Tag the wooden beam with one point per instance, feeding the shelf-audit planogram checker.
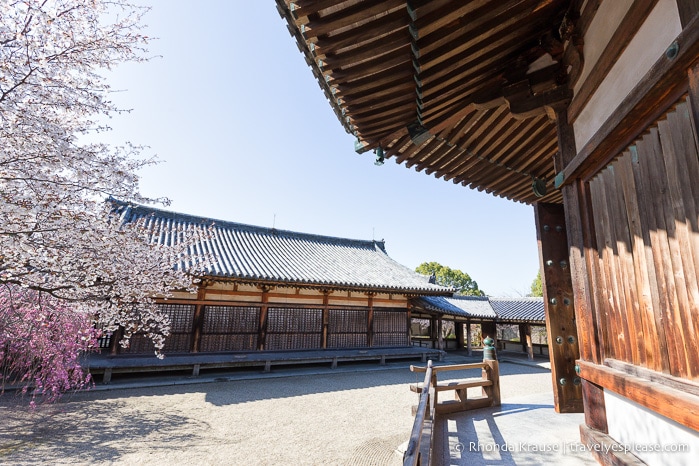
(606, 450)
(678, 405)
(678, 383)
(561, 329)
(349, 16)
(662, 86)
(688, 9)
(637, 14)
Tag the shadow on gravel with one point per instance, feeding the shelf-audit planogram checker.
(86, 431)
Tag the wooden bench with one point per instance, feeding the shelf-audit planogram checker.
(489, 383)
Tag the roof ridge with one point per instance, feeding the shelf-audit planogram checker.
(134, 208)
(522, 298)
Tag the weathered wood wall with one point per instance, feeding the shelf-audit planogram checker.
(245, 318)
(645, 206)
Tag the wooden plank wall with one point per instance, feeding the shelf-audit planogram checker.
(645, 206)
(236, 327)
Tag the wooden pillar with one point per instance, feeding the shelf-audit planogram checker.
(489, 329)
(580, 240)
(528, 341)
(523, 337)
(469, 338)
(693, 76)
(409, 320)
(492, 372)
(198, 320)
(326, 320)
(433, 329)
(370, 322)
(440, 338)
(459, 331)
(558, 300)
(262, 330)
(116, 338)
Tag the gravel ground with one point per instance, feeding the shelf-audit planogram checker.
(351, 417)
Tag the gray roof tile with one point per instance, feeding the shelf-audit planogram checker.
(460, 306)
(256, 253)
(519, 309)
(501, 309)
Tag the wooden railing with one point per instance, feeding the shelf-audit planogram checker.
(489, 382)
(418, 451)
(419, 448)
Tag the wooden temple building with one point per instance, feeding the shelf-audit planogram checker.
(589, 111)
(488, 313)
(270, 296)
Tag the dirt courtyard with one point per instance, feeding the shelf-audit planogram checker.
(358, 415)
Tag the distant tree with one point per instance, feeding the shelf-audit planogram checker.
(455, 278)
(537, 287)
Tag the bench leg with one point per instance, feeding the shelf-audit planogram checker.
(268, 366)
(107, 377)
(383, 360)
(424, 357)
(195, 370)
(461, 394)
(334, 364)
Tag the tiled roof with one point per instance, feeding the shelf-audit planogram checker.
(519, 309)
(258, 254)
(500, 309)
(460, 306)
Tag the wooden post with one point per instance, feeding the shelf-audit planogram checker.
(433, 331)
(459, 330)
(262, 331)
(523, 337)
(492, 372)
(326, 320)
(488, 329)
(370, 322)
(409, 324)
(198, 321)
(469, 338)
(116, 338)
(558, 300)
(579, 240)
(528, 341)
(440, 338)
(595, 411)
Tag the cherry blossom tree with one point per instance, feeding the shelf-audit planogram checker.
(57, 237)
(41, 342)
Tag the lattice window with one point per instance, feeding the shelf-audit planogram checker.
(180, 338)
(390, 328)
(230, 328)
(294, 328)
(347, 328)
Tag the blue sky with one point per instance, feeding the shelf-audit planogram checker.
(245, 134)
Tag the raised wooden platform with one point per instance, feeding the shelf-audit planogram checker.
(108, 365)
